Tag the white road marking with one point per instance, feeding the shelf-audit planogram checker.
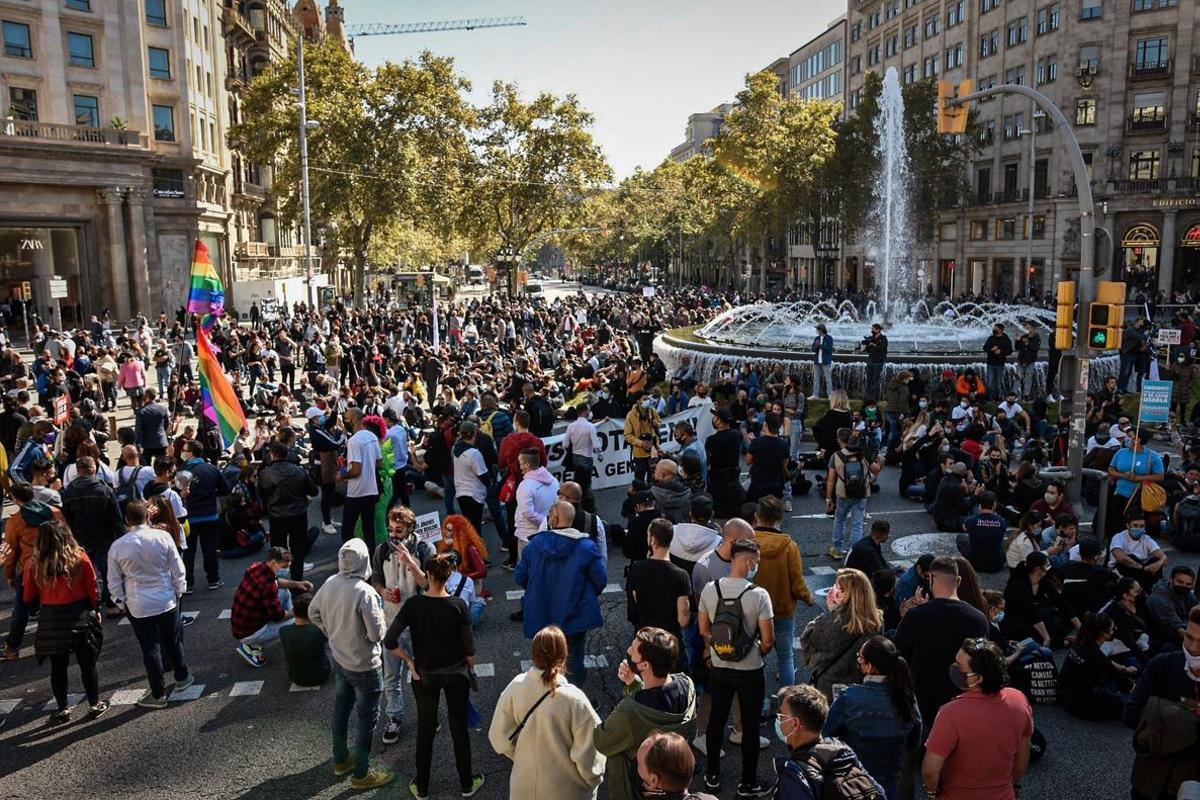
(595, 662)
(295, 688)
(226, 614)
(903, 563)
(612, 587)
(8, 706)
(190, 615)
(485, 670)
(514, 594)
(126, 697)
(308, 565)
(888, 513)
(73, 699)
(246, 688)
(124, 621)
(193, 692)
(822, 570)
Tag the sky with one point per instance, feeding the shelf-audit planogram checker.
(640, 66)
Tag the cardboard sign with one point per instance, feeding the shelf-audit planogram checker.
(429, 527)
(648, 291)
(1169, 336)
(62, 409)
(1156, 401)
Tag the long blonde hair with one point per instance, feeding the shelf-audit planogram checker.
(861, 613)
(839, 400)
(58, 554)
(550, 655)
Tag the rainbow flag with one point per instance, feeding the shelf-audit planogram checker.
(207, 293)
(221, 405)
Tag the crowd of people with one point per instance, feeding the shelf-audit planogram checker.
(908, 679)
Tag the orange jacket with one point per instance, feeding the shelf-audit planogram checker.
(963, 387)
(781, 571)
(21, 538)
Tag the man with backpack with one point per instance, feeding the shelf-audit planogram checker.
(781, 573)
(816, 768)
(208, 484)
(848, 482)
(737, 623)
(132, 477)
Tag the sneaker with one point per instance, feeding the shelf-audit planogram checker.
(98, 709)
(185, 621)
(509, 565)
(343, 768)
(217, 584)
(11, 653)
(37, 612)
(189, 591)
(700, 745)
(486, 594)
(517, 616)
(60, 716)
(391, 734)
(329, 529)
(712, 782)
(476, 785)
(814, 397)
(252, 656)
(150, 701)
(736, 738)
(185, 683)
(754, 789)
(787, 506)
(375, 777)
(415, 792)
(835, 554)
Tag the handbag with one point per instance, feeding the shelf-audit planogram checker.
(512, 737)
(1154, 497)
(509, 489)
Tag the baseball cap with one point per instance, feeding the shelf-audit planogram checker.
(723, 414)
(313, 412)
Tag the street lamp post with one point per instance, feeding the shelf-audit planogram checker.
(1031, 132)
(305, 125)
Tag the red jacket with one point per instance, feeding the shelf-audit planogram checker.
(64, 591)
(512, 446)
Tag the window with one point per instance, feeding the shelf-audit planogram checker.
(1018, 31)
(872, 55)
(1039, 226)
(168, 183)
(1085, 111)
(160, 63)
(23, 103)
(987, 132)
(979, 229)
(1041, 178)
(954, 56)
(983, 184)
(891, 46)
(164, 123)
(987, 5)
(912, 35)
(989, 44)
(1015, 76)
(956, 12)
(948, 232)
(910, 74)
(855, 98)
(1047, 69)
(1047, 19)
(1089, 58)
(80, 5)
(933, 26)
(1006, 228)
(1143, 165)
(156, 13)
(875, 20)
(856, 65)
(1152, 53)
(929, 68)
(856, 32)
(1091, 9)
(1149, 111)
(17, 42)
(79, 46)
(1196, 162)
(196, 30)
(1143, 5)
(87, 111)
(892, 9)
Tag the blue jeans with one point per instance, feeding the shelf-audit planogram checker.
(394, 672)
(20, 615)
(99, 559)
(499, 517)
(576, 650)
(822, 371)
(785, 631)
(894, 430)
(855, 509)
(448, 487)
(360, 691)
(874, 374)
(994, 378)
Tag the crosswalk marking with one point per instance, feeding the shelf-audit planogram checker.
(226, 614)
(73, 699)
(126, 697)
(822, 570)
(296, 688)
(246, 688)
(8, 706)
(124, 621)
(485, 670)
(514, 594)
(193, 692)
(595, 662)
(190, 615)
(613, 587)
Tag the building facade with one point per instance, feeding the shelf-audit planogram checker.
(700, 128)
(1126, 73)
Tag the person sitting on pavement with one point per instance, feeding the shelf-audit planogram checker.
(1034, 608)
(304, 646)
(1025, 538)
(866, 555)
(1133, 553)
(955, 498)
(1086, 584)
(1091, 685)
(1168, 605)
(983, 540)
(655, 698)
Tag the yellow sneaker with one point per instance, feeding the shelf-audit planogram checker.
(376, 777)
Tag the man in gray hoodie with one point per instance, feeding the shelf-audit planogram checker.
(349, 611)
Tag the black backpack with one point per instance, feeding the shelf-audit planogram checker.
(437, 454)
(854, 477)
(832, 772)
(1187, 534)
(730, 639)
(128, 489)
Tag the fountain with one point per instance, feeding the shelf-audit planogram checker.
(924, 336)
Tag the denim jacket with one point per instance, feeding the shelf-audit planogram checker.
(864, 717)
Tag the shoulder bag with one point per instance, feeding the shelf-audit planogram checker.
(512, 737)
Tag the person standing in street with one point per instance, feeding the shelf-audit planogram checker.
(585, 444)
(349, 611)
(822, 348)
(285, 488)
(21, 539)
(659, 591)
(151, 422)
(781, 573)
(876, 348)
(361, 474)
(897, 405)
(641, 434)
(146, 580)
(847, 487)
(472, 476)
(535, 495)
(327, 441)
(996, 350)
(208, 484)
(90, 508)
(1028, 345)
(767, 457)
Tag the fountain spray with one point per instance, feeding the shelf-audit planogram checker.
(891, 241)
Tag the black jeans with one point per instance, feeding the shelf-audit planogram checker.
(749, 686)
(149, 454)
(357, 508)
(87, 673)
(328, 496)
(99, 559)
(472, 509)
(458, 697)
(583, 476)
(287, 374)
(204, 534)
(400, 488)
(155, 634)
(292, 533)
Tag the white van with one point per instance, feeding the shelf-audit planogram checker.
(475, 274)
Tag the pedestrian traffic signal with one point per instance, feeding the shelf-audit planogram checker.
(1106, 320)
(1064, 323)
(953, 118)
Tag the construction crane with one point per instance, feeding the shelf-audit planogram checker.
(385, 28)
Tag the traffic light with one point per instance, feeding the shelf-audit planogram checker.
(1064, 323)
(953, 118)
(1106, 321)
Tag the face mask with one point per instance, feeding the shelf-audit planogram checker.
(1049, 498)
(998, 618)
(50, 437)
(753, 571)
(958, 677)
(1181, 591)
(923, 403)
(964, 404)
(835, 597)
(779, 731)
(1191, 666)
(1136, 533)
(944, 448)
(647, 404)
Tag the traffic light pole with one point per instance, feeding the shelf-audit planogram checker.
(1072, 384)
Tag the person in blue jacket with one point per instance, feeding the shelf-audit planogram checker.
(563, 574)
(822, 348)
(208, 485)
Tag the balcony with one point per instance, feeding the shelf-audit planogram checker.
(50, 132)
(251, 250)
(252, 190)
(233, 23)
(236, 81)
(1150, 70)
(1145, 124)
(1008, 196)
(1139, 186)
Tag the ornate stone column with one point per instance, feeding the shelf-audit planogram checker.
(1166, 252)
(115, 280)
(139, 270)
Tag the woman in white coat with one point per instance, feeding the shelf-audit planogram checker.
(544, 725)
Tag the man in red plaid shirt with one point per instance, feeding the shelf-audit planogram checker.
(262, 605)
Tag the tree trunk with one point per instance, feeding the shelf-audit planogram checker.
(762, 266)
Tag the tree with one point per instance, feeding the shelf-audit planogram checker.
(534, 163)
(389, 150)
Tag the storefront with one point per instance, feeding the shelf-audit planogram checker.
(37, 254)
(1189, 258)
(1139, 256)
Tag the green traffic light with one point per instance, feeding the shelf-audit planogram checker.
(1100, 338)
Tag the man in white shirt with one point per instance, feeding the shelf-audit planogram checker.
(361, 475)
(471, 475)
(1136, 555)
(146, 580)
(584, 441)
(1014, 410)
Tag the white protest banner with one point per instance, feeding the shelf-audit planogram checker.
(613, 463)
(1169, 336)
(429, 527)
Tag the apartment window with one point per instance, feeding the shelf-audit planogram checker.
(948, 232)
(983, 184)
(933, 25)
(1091, 9)
(910, 74)
(156, 13)
(1047, 69)
(208, 84)
(875, 20)
(872, 55)
(205, 37)
(1089, 58)
(1149, 111)
(979, 229)
(87, 111)
(855, 98)
(1015, 76)
(856, 32)
(891, 46)
(80, 5)
(1010, 130)
(856, 65)
(1085, 111)
(893, 9)
(1041, 178)
(1143, 5)
(956, 12)
(987, 5)
(1018, 31)
(22, 103)
(1144, 165)
(1152, 53)
(989, 44)
(160, 63)
(987, 132)
(1047, 19)
(930, 67)
(954, 56)
(912, 35)
(1006, 228)
(79, 47)
(17, 42)
(1039, 226)
(164, 123)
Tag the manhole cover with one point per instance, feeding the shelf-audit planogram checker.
(940, 544)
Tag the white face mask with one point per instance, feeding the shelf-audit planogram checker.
(1049, 497)
(1191, 666)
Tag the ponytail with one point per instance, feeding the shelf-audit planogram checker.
(550, 655)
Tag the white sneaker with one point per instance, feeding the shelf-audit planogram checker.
(329, 529)
(736, 738)
(787, 506)
(700, 744)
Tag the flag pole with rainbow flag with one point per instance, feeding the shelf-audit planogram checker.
(207, 297)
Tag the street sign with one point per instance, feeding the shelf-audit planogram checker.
(1169, 336)
(1156, 401)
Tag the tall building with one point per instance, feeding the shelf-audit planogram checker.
(112, 141)
(700, 128)
(1126, 73)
